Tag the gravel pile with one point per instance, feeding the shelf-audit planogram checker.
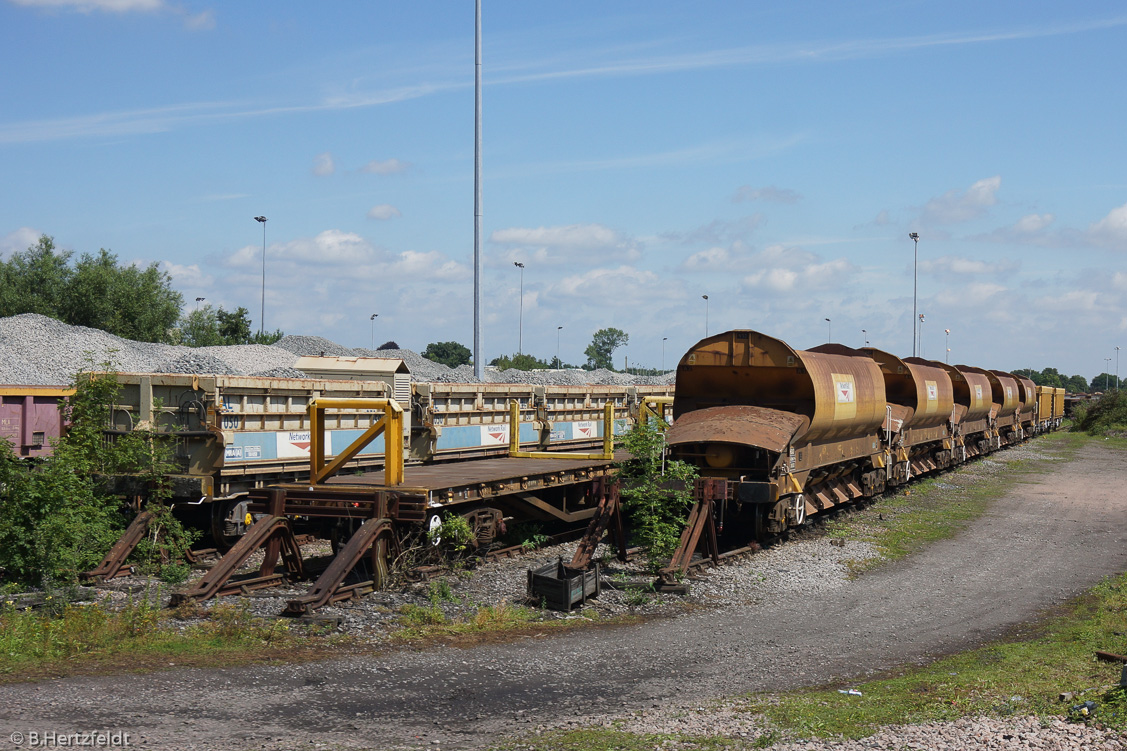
(280, 373)
(313, 346)
(36, 350)
(195, 362)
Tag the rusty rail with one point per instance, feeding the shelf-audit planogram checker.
(272, 533)
(113, 565)
(609, 510)
(328, 589)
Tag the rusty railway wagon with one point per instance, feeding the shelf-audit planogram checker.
(780, 434)
(372, 512)
(235, 434)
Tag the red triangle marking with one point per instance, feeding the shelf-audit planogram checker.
(302, 445)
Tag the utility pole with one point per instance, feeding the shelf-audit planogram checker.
(478, 360)
(915, 236)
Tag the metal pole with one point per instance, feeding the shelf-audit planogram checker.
(373, 320)
(915, 283)
(262, 313)
(478, 360)
(559, 362)
(1106, 374)
(663, 353)
(201, 299)
(947, 345)
(1117, 368)
(520, 319)
(921, 337)
(705, 315)
(829, 331)
(866, 335)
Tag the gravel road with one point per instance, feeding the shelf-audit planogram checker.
(1040, 544)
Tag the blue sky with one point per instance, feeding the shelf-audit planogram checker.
(637, 155)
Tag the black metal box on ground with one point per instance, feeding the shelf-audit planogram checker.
(562, 588)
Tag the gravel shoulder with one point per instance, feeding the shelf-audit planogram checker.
(783, 620)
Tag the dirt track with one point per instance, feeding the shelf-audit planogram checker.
(1042, 543)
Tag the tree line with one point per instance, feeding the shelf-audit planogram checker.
(600, 354)
(99, 292)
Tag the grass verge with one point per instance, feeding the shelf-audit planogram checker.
(939, 507)
(95, 639)
(503, 622)
(1025, 677)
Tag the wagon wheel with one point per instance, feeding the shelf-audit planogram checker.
(798, 510)
(761, 533)
(379, 558)
(380, 573)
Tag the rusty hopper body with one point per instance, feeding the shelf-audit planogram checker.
(792, 425)
(920, 397)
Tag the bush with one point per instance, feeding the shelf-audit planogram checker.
(1106, 416)
(55, 519)
(655, 501)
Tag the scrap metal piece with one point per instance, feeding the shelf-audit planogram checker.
(113, 565)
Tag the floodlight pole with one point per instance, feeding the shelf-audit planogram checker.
(373, 320)
(1106, 375)
(1117, 368)
(559, 362)
(478, 360)
(262, 314)
(520, 318)
(915, 236)
(705, 315)
(829, 331)
(663, 353)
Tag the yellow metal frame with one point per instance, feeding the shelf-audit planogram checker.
(514, 438)
(645, 412)
(390, 425)
(36, 391)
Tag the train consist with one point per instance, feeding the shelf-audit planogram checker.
(780, 434)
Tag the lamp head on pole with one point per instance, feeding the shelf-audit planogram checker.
(260, 219)
(914, 236)
(518, 264)
(374, 316)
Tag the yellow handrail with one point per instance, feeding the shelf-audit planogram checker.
(390, 425)
(645, 412)
(514, 438)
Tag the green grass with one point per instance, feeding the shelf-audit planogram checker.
(937, 508)
(1022, 677)
(140, 636)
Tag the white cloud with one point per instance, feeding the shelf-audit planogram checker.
(384, 211)
(186, 277)
(780, 268)
(957, 265)
(323, 164)
(621, 287)
(713, 259)
(1033, 223)
(960, 206)
(18, 241)
(328, 248)
(1112, 229)
(768, 193)
(566, 244)
(386, 167)
(203, 21)
(88, 6)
